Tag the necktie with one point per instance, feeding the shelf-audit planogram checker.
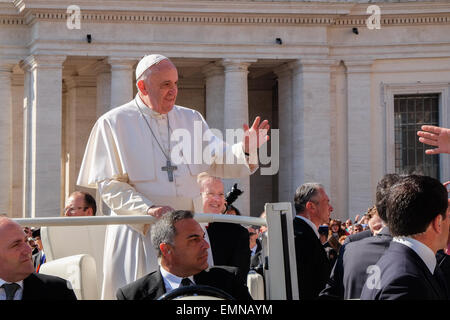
(10, 290)
(186, 282)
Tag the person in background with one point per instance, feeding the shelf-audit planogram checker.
(348, 224)
(39, 257)
(355, 258)
(335, 233)
(229, 241)
(313, 208)
(80, 204)
(323, 234)
(419, 221)
(375, 223)
(357, 228)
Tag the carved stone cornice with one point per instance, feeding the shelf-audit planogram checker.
(230, 12)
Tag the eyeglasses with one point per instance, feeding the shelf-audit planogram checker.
(75, 209)
(212, 195)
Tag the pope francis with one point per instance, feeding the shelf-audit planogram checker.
(129, 159)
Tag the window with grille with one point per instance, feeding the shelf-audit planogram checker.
(410, 113)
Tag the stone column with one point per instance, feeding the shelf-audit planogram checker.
(339, 139)
(215, 86)
(5, 136)
(17, 146)
(121, 80)
(235, 115)
(311, 122)
(285, 114)
(103, 71)
(359, 137)
(42, 126)
(81, 115)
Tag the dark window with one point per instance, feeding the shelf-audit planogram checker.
(410, 113)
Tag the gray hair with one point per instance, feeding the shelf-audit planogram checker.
(163, 231)
(305, 193)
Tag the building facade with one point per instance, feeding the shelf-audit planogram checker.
(345, 84)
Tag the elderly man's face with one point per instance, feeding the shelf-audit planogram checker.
(324, 209)
(15, 253)
(213, 196)
(162, 87)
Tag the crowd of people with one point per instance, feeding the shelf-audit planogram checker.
(398, 249)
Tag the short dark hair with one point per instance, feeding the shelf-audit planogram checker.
(413, 203)
(305, 193)
(382, 193)
(163, 230)
(90, 202)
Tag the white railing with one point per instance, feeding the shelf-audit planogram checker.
(105, 220)
(281, 277)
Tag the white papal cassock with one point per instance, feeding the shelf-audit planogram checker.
(123, 160)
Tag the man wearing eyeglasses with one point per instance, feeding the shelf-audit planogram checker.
(230, 244)
(80, 204)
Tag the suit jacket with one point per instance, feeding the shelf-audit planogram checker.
(45, 287)
(255, 260)
(349, 273)
(404, 276)
(358, 236)
(443, 261)
(313, 266)
(151, 286)
(230, 246)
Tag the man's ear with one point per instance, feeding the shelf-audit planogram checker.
(90, 211)
(309, 205)
(165, 249)
(437, 223)
(141, 87)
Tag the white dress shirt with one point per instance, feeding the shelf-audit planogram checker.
(423, 251)
(17, 295)
(171, 281)
(311, 224)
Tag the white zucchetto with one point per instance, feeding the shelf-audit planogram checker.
(148, 61)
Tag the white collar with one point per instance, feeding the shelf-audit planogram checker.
(147, 110)
(311, 224)
(172, 281)
(253, 250)
(423, 251)
(20, 283)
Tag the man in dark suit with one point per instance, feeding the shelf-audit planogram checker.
(183, 252)
(313, 267)
(419, 222)
(349, 274)
(17, 280)
(230, 244)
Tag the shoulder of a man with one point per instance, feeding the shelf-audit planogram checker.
(120, 113)
(56, 287)
(136, 289)
(220, 273)
(188, 113)
(358, 236)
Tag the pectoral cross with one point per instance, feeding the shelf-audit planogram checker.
(170, 169)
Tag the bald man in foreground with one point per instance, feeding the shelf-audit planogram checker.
(17, 278)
